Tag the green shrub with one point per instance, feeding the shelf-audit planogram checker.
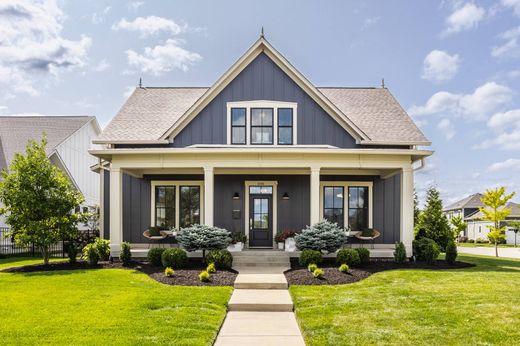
(364, 255)
(91, 254)
(425, 249)
(451, 252)
(348, 256)
(103, 248)
(322, 236)
(310, 256)
(318, 273)
(471, 241)
(221, 258)
(169, 272)
(155, 256)
(238, 237)
(72, 252)
(175, 258)
(202, 237)
(312, 267)
(211, 268)
(126, 255)
(344, 268)
(204, 276)
(400, 253)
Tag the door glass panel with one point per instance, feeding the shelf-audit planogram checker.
(260, 213)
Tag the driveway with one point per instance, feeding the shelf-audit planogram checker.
(490, 251)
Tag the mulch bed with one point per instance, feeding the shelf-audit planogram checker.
(299, 275)
(188, 276)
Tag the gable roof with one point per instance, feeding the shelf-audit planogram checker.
(472, 201)
(515, 211)
(16, 131)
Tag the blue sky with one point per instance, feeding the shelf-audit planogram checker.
(454, 65)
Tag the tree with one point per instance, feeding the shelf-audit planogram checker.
(515, 225)
(494, 210)
(416, 210)
(458, 225)
(38, 200)
(433, 223)
(202, 237)
(323, 235)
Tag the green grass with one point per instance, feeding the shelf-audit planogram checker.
(106, 307)
(485, 245)
(473, 306)
(23, 261)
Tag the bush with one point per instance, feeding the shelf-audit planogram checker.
(400, 253)
(322, 236)
(348, 256)
(126, 255)
(310, 256)
(318, 273)
(72, 252)
(425, 249)
(169, 272)
(312, 267)
(482, 241)
(471, 241)
(175, 258)
(221, 258)
(451, 252)
(103, 248)
(364, 255)
(204, 276)
(155, 256)
(463, 239)
(211, 268)
(91, 254)
(344, 268)
(238, 237)
(201, 237)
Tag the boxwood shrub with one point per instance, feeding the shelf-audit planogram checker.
(451, 252)
(155, 256)
(310, 256)
(364, 255)
(174, 258)
(426, 249)
(221, 258)
(348, 256)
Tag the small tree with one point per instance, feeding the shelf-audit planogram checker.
(202, 237)
(515, 225)
(323, 235)
(494, 210)
(416, 210)
(458, 226)
(38, 200)
(433, 223)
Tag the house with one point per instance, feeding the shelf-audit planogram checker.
(261, 151)
(465, 207)
(69, 138)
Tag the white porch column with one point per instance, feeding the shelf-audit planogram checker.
(406, 232)
(315, 195)
(116, 211)
(208, 196)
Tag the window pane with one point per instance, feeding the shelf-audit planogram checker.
(329, 199)
(338, 197)
(261, 116)
(338, 217)
(189, 205)
(284, 116)
(267, 190)
(165, 206)
(262, 135)
(238, 116)
(285, 135)
(352, 197)
(238, 135)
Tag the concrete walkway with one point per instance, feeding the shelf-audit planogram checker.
(260, 309)
(510, 252)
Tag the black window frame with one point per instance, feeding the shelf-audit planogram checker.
(285, 126)
(174, 188)
(261, 126)
(181, 219)
(244, 127)
(364, 208)
(342, 208)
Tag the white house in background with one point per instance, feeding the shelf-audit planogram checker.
(69, 138)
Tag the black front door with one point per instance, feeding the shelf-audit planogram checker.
(260, 220)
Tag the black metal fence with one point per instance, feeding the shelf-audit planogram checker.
(8, 246)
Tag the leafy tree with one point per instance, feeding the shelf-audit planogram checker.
(202, 237)
(458, 225)
(38, 200)
(433, 224)
(515, 225)
(494, 210)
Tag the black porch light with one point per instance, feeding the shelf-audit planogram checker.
(236, 195)
(285, 196)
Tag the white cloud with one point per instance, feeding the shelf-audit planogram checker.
(150, 25)
(503, 141)
(505, 120)
(507, 165)
(134, 5)
(439, 66)
(3, 109)
(103, 65)
(163, 58)
(99, 17)
(368, 22)
(486, 99)
(510, 48)
(31, 44)
(464, 18)
(446, 126)
(514, 4)
(505, 128)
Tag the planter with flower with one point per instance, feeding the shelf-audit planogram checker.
(280, 240)
(237, 242)
(288, 237)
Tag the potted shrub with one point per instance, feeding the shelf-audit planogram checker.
(290, 243)
(280, 240)
(238, 240)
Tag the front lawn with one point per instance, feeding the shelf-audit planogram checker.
(485, 245)
(23, 261)
(477, 305)
(106, 306)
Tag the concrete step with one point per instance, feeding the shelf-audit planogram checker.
(259, 253)
(260, 281)
(261, 270)
(261, 259)
(261, 264)
(260, 300)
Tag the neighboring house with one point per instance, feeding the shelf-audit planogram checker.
(465, 207)
(68, 137)
(262, 150)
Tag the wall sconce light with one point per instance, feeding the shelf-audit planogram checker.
(236, 195)
(285, 196)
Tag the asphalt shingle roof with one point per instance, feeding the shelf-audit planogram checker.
(515, 211)
(472, 201)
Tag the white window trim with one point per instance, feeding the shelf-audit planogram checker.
(177, 184)
(272, 183)
(263, 104)
(346, 185)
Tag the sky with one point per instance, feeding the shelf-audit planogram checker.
(453, 65)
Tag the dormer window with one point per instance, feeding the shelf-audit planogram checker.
(261, 123)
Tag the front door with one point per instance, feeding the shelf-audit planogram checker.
(260, 220)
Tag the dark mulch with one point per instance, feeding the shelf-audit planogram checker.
(299, 275)
(183, 277)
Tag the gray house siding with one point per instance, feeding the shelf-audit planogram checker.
(264, 80)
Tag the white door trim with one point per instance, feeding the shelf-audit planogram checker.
(274, 184)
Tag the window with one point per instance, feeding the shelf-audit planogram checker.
(165, 206)
(238, 126)
(358, 208)
(333, 204)
(263, 190)
(285, 126)
(261, 126)
(189, 206)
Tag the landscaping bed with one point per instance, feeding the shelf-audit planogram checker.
(182, 277)
(299, 275)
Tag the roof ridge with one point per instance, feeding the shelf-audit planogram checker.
(348, 87)
(174, 87)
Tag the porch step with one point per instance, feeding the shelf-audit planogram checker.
(261, 253)
(260, 300)
(252, 260)
(260, 281)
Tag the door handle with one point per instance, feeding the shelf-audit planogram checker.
(250, 223)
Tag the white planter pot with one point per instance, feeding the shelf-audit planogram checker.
(280, 245)
(236, 247)
(290, 245)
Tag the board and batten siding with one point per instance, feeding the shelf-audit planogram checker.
(262, 79)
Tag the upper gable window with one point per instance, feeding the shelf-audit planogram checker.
(261, 123)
